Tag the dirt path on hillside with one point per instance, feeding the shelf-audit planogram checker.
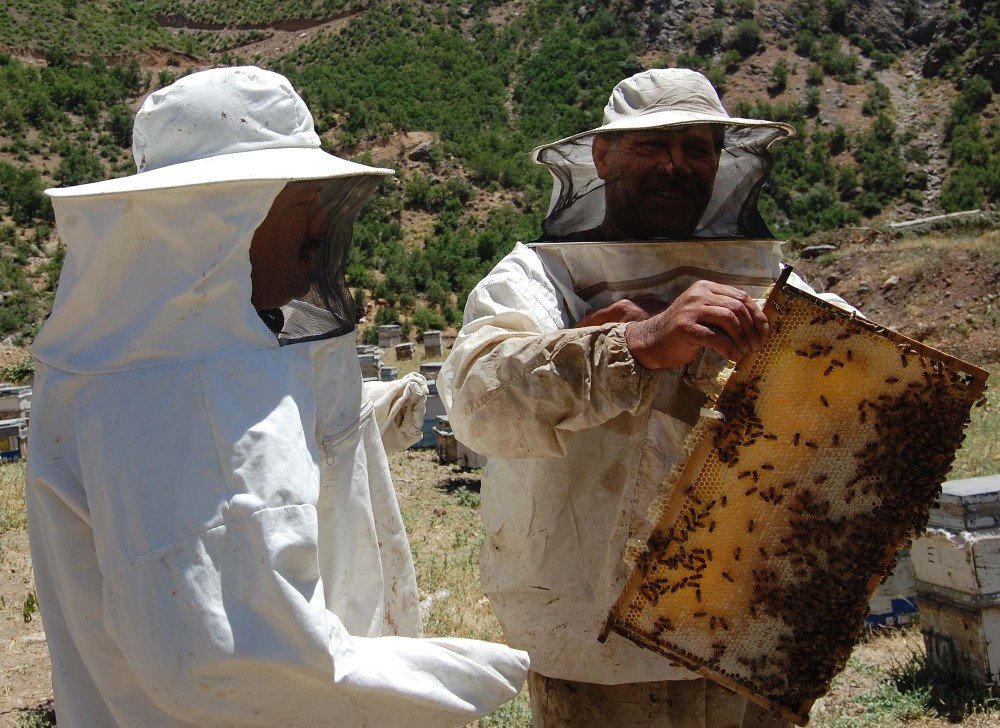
(923, 110)
(283, 37)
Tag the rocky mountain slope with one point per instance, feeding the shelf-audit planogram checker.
(894, 103)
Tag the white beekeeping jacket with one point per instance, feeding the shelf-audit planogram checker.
(580, 437)
(215, 535)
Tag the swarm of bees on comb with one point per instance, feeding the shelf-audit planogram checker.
(823, 456)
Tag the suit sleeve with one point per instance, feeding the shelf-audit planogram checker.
(517, 380)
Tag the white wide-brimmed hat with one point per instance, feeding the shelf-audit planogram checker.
(665, 97)
(220, 126)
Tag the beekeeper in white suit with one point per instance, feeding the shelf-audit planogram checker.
(214, 533)
(582, 365)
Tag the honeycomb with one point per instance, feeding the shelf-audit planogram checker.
(820, 460)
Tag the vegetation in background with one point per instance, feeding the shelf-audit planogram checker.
(76, 27)
(975, 150)
(490, 80)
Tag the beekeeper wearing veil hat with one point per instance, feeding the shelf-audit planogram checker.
(214, 533)
(582, 365)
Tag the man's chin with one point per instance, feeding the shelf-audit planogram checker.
(668, 226)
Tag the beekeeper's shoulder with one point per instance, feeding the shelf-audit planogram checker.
(519, 278)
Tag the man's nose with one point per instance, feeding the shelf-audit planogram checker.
(672, 162)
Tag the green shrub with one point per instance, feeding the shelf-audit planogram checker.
(729, 60)
(779, 76)
(838, 139)
(709, 37)
(814, 75)
(880, 159)
(835, 61)
(18, 372)
(386, 315)
(744, 8)
(79, 166)
(805, 42)
(717, 76)
(836, 12)
(119, 125)
(877, 100)
(962, 190)
(976, 93)
(427, 319)
(22, 191)
(847, 181)
(812, 101)
(746, 38)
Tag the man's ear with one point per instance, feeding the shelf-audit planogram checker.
(600, 150)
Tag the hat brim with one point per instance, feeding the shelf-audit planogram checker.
(287, 163)
(665, 120)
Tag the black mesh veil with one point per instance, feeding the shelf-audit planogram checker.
(327, 310)
(578, 209)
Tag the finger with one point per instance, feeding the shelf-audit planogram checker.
(725, 320)
(744, 315)
(756, 313)
(595, 317)
(587, 320)
(759, 317)
(717, 340)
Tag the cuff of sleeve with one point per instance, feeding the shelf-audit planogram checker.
(623, 366)
(618, 353)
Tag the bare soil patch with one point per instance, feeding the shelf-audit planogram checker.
(25, 676)
(943, 290)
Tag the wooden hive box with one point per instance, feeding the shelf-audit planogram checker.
(821, 459)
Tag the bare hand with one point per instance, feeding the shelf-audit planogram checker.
(707, 315)
(621, 312)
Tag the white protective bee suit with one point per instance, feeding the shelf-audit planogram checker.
(215, 536)
(579, 436)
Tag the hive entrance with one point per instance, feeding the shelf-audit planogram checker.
(833, 441)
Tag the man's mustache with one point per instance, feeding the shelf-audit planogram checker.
(677, 183)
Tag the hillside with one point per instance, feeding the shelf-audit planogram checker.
(894, 104)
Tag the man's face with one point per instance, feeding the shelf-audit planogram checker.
(657, 182)
(283, 246)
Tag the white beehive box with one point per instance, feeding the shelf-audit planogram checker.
(432, 343)
(894, 602)
(956, 565)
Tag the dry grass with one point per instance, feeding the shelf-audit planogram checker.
(980, 453)
(888, 684)
(440, 507)
(12, 511)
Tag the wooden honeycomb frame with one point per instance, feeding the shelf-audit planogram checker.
(821, 459)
